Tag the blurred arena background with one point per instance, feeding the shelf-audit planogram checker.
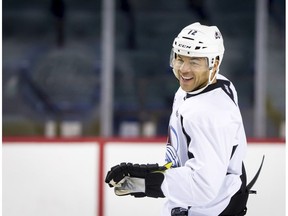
(98, 72)
(53, 59)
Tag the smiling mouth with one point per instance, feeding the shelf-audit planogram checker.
(186, 78)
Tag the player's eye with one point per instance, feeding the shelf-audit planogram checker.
(194, 62)
(179, 61)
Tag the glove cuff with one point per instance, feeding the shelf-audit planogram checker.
(153, 182)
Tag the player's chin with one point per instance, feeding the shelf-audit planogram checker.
(187, 86)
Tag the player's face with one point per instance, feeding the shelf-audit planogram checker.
(193, 72)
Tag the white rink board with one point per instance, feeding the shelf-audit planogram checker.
(270, 186)
(62, 179)
(49, 179)
(269, 200)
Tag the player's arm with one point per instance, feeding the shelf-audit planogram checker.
(137, 180)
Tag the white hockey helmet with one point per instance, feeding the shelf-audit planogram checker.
(198, 40)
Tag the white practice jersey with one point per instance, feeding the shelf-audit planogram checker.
(207, 144)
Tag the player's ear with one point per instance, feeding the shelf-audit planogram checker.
(215, 66)
(216, 63)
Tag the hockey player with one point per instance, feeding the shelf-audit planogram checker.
(204, 174)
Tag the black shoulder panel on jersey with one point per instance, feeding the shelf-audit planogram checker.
(223, 84)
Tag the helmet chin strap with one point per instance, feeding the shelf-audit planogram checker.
(214, 77)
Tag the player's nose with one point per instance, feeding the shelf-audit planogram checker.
(185, 67)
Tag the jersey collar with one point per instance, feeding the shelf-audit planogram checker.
(224, 84)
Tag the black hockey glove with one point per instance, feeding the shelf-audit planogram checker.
(137, 180)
